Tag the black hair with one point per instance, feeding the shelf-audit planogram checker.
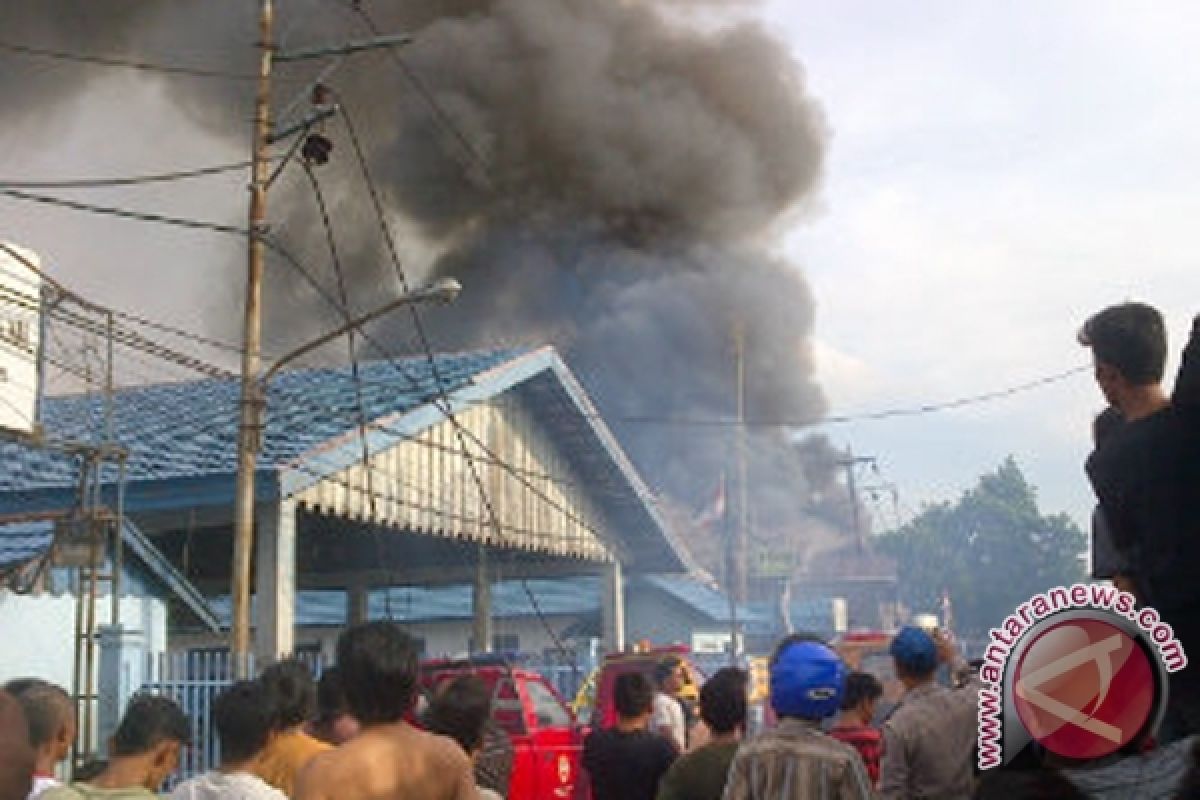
(244, 718)
(791, 639)
(378, 662)
(665, 668)
(149, 720)
(723, 700)
(860, 686)
(89, 770)
(1131, 338)
(291, 693)
(331, 695)
(460, 710)
(633, 695)
(47, 707)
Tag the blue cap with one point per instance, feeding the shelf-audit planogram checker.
(807, 681)
(914, 650)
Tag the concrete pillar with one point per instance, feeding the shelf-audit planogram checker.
(275, 580)
(123, 663)
(612, 607)
(358, 608)
(481, 603)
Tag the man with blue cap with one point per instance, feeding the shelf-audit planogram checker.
(796, 760)
(929, 740)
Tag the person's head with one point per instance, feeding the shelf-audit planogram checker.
(150, 736)
(378, 663)
(290, 692)
(807, 679)
(633, 696)
(51, 717)
(1129, 349)
(723, 700)
(460, 710)
(16, 753)
(915, 655)
(245, 721)
(335, 724)
(863, 691)
(668, 675)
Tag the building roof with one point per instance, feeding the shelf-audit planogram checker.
(510, 599)
(24, 542)
(182, 438)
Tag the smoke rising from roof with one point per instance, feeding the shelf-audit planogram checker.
(616, 196)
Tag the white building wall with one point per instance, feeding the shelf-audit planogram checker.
(37, 632)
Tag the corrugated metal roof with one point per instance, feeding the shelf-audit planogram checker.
(316, 608)
(704, 599)
(24, 541)
(189, 430)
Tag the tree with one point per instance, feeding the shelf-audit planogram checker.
(990, 551)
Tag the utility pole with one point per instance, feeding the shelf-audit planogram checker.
(737, 535)
(248, 427)
(849, 463)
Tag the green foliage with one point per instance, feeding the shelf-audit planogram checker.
(992, 550)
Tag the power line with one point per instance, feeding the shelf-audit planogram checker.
(140, 216)
(838, 419)
(123, 63)
(134, 180)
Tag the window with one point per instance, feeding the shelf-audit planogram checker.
(547, 707)
(507, 710)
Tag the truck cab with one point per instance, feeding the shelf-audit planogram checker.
(546, 739)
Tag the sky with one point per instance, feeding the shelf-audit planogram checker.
(996, 173)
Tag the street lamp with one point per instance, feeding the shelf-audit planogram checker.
(443, 291)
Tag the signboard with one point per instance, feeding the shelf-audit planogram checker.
(20, 338)
(775, 563)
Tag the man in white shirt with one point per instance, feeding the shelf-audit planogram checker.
(668, 717)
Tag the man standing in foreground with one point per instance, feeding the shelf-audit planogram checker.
(389, 759)
(929, 741)
(700, 775)
(853, 725)
(795, 760)
(16, 755)
(51, 716)
(626, 762)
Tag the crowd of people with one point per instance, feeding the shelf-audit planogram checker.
(358, 734)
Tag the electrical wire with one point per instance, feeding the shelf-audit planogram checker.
(133, 180)
(124, 63)
(140, 216)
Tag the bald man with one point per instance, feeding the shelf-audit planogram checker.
(16, 754)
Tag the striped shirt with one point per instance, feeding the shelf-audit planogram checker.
(796, 761)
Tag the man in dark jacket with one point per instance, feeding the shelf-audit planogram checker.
(1147, 480)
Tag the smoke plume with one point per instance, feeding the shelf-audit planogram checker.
(602, 176)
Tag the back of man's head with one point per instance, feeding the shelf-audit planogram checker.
(48, 710)
(914, 652)
(1131, 338)
(665, 668)
(378, 664)
(244, 719)
(149, 721)
(460, 710)
(807, 679)
(16, 754)
(723, 700)
(291, 693)
(860, 686)
(633, 695)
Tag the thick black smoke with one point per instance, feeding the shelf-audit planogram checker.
(612, 188)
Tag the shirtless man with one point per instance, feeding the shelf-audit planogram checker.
(389, 758)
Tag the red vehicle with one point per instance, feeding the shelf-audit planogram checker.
(547, 741)
(604, 711)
